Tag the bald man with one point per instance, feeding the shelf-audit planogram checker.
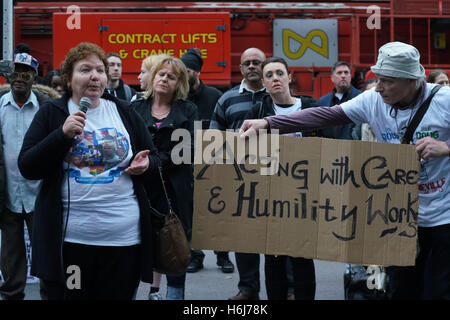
(229, 113)
(235, 103)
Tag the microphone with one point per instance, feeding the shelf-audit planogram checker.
(85, 104)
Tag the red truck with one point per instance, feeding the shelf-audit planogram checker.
(137, 35)
(310, 35)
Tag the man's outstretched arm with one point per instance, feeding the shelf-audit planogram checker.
(304, 120)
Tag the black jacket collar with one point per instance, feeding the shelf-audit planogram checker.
(194, 95)
(175, 117)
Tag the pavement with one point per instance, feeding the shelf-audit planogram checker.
(211, 284)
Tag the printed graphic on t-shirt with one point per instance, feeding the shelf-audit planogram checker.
(388, 135)
(96, 155)
(427, 131)
(431, 187)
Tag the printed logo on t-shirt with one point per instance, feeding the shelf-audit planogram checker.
(431, 187)
(95, 156)
(388, 135)
(426, 132)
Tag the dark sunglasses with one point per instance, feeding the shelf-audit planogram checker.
(254, 62)
(26, 76)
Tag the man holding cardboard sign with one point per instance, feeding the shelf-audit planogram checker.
(390, 109)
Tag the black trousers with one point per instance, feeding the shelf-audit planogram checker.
(13, 262)
(248, 268)
(432, 269)
(304, 282)
(106, 273)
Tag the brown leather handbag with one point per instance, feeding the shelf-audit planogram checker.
(171, 248)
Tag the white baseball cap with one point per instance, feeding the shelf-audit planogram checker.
(26, 59)
(399, 60)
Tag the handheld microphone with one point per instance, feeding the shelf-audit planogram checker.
(85, 104)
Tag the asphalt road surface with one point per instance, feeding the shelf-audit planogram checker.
(211, 284)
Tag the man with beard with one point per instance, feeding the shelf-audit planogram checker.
(205, 97)
(116, 86)
(343, 91)
(230, 113)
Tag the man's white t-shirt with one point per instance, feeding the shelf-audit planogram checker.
(103, 208)
(434, 179)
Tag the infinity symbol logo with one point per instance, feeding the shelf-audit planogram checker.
(305, 43)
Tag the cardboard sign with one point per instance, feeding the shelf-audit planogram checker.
(335, 200)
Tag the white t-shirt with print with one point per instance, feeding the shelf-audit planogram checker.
(434, 179)
(103, 207)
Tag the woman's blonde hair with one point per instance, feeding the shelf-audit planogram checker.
(178, 67)
(148, 63)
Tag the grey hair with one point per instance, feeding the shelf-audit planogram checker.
(420, 82)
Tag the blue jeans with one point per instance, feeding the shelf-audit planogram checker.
(175, 287)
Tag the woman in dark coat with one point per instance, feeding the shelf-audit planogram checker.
(276, 79)
(164, 110)
(92, 216)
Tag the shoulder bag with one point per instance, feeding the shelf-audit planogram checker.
(171, 248)
(418, 116)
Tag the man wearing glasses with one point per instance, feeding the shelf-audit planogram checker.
(235, 103)
(17, 108)
(229, 113)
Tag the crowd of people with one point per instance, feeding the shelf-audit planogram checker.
(85, 182)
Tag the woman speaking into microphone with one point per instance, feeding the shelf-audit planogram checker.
(91, 233)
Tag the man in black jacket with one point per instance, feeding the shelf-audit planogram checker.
(343, 91)
(205, 97)
(116, 86)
